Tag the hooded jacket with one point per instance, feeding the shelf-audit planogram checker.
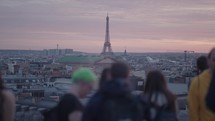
(198, 110)
(117, 88)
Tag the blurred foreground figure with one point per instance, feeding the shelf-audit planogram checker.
(198, 110)
(7, 103)
(159, 102)
(105, 77)
(114, 102)
(210, 99)
(69, 107)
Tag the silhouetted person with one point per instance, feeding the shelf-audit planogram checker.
(160, 102)
(199, 87)
(105, 77)
(115, 101)
(69, 107)
(202, 64)
(7, 103)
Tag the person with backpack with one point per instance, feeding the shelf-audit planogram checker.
(115, 101)
(69, 108)
(198, 111)
(159, 102)
(7, 103)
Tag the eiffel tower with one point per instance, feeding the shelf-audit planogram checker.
(107, 50)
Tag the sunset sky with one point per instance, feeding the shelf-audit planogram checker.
(138, 25)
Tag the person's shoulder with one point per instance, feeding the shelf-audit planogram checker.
(96, 99)
(201, 78)
(194, 81)
(98, 96)
(205, 74)
(70, 101)
(8, 95)
(69, 97)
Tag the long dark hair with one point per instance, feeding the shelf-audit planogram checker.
(104, 77)
(155, 83)
(1, 97)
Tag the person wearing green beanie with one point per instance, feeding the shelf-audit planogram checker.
(69, 108)
(83, 79)
(83, 74)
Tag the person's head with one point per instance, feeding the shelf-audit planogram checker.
(155, 83)
(119, 70)
(211, 59)
(202, 63)
(105, 76)
(84, 79)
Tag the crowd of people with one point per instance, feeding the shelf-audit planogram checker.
(114, 100)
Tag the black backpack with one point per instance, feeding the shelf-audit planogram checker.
(160, 112)
(51, 115)
(121, 109)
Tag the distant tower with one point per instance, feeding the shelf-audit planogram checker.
(57, 52)
(107, 50)
(185, 56)
(125, 53)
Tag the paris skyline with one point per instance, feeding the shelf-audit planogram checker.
(138, 26)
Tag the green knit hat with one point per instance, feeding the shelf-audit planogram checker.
(83, 74)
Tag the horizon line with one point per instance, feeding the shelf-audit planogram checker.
(169, 51)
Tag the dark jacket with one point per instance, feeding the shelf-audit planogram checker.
(112, 89)
(210, 98)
